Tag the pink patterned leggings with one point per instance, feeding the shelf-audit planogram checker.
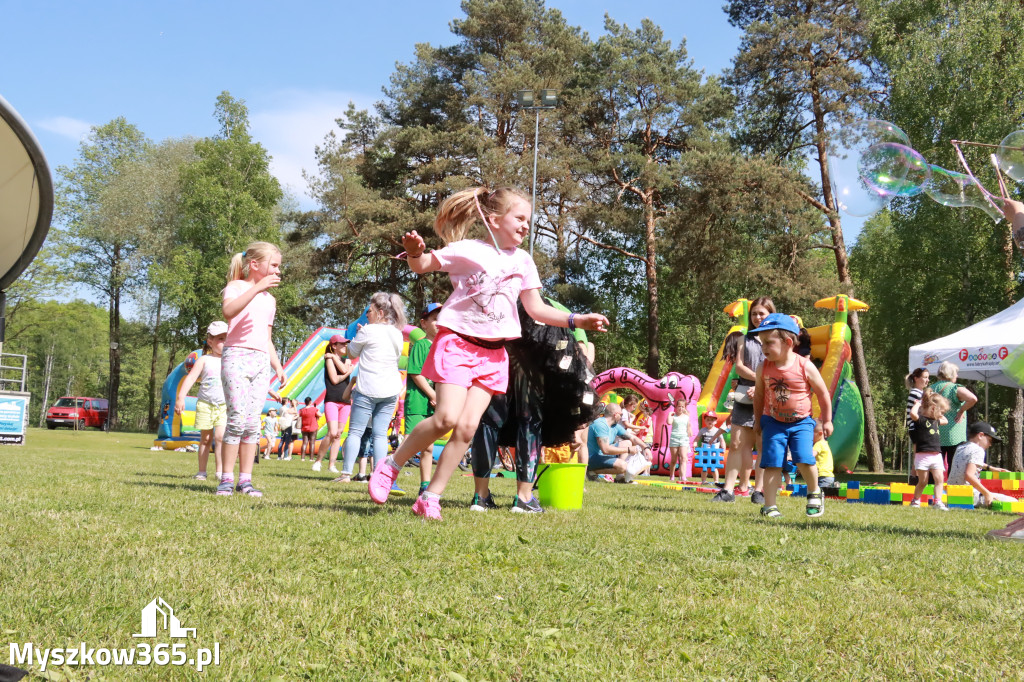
(246, 375)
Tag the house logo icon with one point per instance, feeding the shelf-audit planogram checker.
(170, 621)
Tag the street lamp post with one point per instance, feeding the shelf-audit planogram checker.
(548, 99)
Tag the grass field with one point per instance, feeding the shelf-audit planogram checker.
(314, 582)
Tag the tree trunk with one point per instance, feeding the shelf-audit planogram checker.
(152, 366)
(653, 365)
(860, 370)
(115, 360)
(46, 385)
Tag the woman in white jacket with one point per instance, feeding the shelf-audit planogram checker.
(378, 345)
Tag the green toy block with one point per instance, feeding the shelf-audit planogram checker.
(999, 505)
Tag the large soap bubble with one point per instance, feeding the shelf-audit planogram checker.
(1011, 155)
(950, 188)
(891, 169)
(854, 193)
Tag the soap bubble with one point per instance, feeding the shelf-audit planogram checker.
(854, 193)
(890, 169)
(950, 188)
(1011, 155)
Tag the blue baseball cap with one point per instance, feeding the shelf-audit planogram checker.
(431, 307)
(778, 321)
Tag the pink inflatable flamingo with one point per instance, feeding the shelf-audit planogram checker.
(660, 395)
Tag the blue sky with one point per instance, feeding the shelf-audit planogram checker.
(161, 65)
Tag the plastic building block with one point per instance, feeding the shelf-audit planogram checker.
(707, 458)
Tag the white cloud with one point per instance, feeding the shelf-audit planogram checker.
(65, 126)
(291, 123)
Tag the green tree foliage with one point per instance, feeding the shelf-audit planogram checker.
(954, 72)
(802, 72)
(102, 237)
(228, 197)
(75, 336)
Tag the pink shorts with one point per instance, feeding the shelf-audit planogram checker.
(454, 360)
(337, 412)
(928, 461)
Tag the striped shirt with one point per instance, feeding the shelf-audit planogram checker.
(915, 395)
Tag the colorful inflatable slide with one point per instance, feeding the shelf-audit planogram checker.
(830, 346)
(304, 374)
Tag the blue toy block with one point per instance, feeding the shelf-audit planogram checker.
(853, 484)
(960, 506)
(706, 458)
(875, 496)
(798, 489)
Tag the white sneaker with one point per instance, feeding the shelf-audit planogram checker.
(915, 503)
(288, 458)
(333, 469)
(941, 505)
(316, 466)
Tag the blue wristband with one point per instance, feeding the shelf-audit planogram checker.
(572, 323)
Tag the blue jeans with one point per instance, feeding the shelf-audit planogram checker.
(375, 413)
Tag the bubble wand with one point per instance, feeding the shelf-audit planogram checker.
(963, 162)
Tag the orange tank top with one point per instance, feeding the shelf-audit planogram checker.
(787, 393)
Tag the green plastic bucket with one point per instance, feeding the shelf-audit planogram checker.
(560, 486)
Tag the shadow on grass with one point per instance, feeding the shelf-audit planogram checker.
(190, 485)
(878, 528)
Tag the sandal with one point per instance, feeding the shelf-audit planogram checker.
(816, 503)
(345, 478)
(248, 489)
(771, 512)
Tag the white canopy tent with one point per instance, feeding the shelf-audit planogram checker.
(977, 350)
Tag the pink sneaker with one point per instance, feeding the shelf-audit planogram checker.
(381, 480)
(428, 508)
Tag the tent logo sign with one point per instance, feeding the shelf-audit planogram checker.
(982, 356)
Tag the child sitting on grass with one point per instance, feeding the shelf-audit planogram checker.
(928, 415)
(782, 398)
(823, 457)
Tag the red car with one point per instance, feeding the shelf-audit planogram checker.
(78, 413)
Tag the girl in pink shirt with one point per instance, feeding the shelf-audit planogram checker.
(249, 359)
(467, 361)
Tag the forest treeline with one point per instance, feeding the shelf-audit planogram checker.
(663, 193)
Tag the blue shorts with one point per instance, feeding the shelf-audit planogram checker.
(776, 436)
(601, 461)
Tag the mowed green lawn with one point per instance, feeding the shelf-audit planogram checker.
(314, 582)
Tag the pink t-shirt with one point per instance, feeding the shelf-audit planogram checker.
(486, 286)
(251, 327)
(787, 392)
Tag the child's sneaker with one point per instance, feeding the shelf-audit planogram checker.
(333, 469)
(381, 480)
(771, 512)
(915, 503)
(815, 504)
(396, 491)
(940, 505)
(316, 466)
(723, 496)
(482, 504)
(201, 476)
(531, 507)
(426, 507)
(757, 497)
(226, 488)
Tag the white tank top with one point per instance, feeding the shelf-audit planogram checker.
(210, 388)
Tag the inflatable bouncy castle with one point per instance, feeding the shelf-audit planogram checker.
(304, 377)
(830, 351)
